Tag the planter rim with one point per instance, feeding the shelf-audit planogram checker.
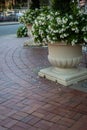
(28, 24)
(64, 44)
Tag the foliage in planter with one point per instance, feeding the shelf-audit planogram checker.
(29, 16)
(52, 27)
(22, 31)
(40, 25)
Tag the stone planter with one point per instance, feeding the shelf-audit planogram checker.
(29, 27)
(64, 60)
(64, 56)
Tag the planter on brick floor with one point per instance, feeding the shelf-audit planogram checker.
(64, 60)
(57, 27)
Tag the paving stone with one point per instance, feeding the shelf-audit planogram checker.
(81, 124)
(3, 128)
(28, 102)
(44, 124)
(58, 127)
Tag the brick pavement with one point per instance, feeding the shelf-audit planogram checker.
(28, 102)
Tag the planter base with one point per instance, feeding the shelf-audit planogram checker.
(31, 42)
(65, 77)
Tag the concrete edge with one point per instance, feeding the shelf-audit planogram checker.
(8, 23)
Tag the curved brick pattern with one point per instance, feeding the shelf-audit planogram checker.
(28, 102)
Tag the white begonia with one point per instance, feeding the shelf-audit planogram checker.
(35, 36)
(84, 28)
(44, 40)
(48, 38)
(85, 39)
(48, 16)
(59, 20)
(66, 34)
(61, 30)
(76, 30)
(49, 27)
(73, 42)
(47, 30)
(64, 20)
(63, 26)
(71, 23)
(61, 36)
(52, 42)
(54, 38)
(57, 13)
(56, 31)
(41, 32)
(54, 27)
(70, 16)
(75, 22)
(40, 22)
(36, 22)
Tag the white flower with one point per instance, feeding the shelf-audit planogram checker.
(48, 16)
(71, 23)
(75, 22)
(62, 30)
(61, 36)
(54, 38)
(64, 20)
(59, 20)
(73, 42)
(84, 28)
(57, 13)
(76, 30)
(85, 39)
(70, 16)
(54, 27)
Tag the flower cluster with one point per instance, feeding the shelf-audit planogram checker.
(53, 27)
(29, 16)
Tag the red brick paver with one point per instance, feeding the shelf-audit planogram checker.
(28, 102)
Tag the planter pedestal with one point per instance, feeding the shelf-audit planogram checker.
(64, 77)
(64, 60)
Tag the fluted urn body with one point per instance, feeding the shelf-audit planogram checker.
(64, 56)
